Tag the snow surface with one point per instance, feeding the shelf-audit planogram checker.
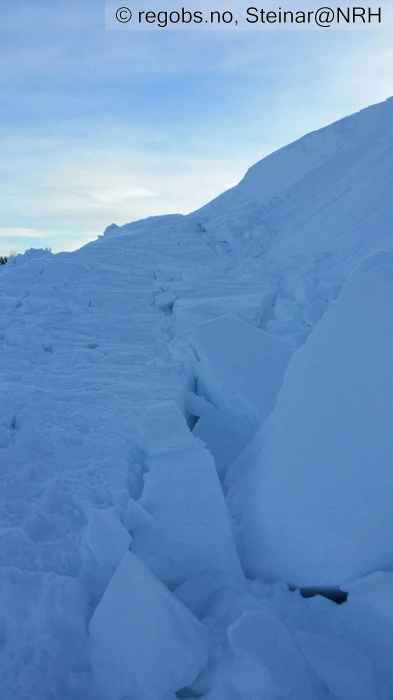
(99, 399)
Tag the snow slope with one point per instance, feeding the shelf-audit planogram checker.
(93, 342)
(323, 193)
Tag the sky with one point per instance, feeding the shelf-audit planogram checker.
(99, 125)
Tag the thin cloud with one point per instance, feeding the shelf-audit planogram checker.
(10, 233)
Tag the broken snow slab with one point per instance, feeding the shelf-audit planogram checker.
(224, 436)
(376, 591)
(240, 367)
(319, 503)
(187, 530)
(192, 531)
(262, 636)
(106, 540)
(239, 371)
(144, 643)
(348, 646)
(163, 427)
(192, 312)
(342, 668)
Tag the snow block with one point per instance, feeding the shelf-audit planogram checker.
(239, 371)
(224, 436)
(376, 592)
(144, 643)
(190, 531)
(370, 613)
(107, 540)
(191, 312)
(164, 428)
(343, 669)
(320, 497)
(240, 367)
(261, 635)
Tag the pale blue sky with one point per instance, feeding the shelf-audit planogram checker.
(99, 126)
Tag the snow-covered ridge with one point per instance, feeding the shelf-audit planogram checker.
(108, 356)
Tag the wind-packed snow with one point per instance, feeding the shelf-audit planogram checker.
(139, 378)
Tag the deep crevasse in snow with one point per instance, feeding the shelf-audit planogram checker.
(94, 342)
